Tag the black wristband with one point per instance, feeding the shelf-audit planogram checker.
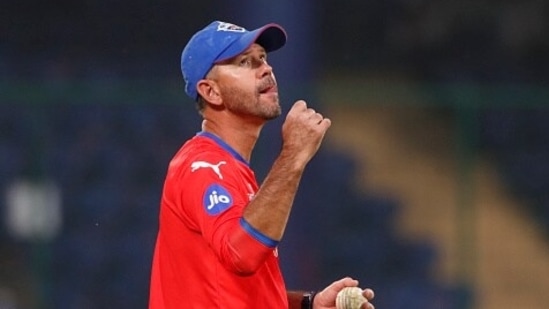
(307, 301)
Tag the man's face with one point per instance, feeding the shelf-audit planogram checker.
(247, 84)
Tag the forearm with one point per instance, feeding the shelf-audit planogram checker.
(268, 212)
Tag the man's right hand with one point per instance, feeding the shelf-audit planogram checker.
(303, 132)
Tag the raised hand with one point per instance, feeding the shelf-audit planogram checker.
(303, 132)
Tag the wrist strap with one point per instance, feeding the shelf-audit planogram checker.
(307, 301)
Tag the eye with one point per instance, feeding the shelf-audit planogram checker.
(244, 62)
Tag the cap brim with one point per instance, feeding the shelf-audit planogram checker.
(271, 37)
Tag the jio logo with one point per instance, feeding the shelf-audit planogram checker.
(217, 199)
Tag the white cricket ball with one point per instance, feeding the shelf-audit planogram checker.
(350, 298)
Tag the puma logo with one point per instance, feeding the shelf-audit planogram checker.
(203, 164)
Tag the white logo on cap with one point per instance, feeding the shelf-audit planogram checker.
(223, 26)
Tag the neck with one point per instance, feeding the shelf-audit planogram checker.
(241, 136)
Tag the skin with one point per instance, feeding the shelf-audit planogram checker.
(241, 95)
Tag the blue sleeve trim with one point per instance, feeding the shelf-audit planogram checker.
(269, 242)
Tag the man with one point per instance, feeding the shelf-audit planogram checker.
(219, 231)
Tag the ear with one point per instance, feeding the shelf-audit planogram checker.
(209, 91)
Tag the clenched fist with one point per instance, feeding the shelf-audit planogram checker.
(303, 132)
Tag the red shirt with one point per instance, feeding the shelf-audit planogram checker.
(206, 254)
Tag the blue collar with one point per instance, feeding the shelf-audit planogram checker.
(223, 145)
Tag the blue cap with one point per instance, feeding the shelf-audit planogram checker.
(220, 41)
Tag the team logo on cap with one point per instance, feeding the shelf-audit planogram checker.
(216, 199)
(223, 26)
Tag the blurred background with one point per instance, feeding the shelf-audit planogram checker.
(432, 186)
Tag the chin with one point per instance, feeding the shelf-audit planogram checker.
(275, 113)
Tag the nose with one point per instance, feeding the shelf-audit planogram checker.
(265, 70)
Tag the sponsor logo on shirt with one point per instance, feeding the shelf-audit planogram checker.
(217, 199)
(203, 164)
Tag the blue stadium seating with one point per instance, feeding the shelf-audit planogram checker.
(518, 140)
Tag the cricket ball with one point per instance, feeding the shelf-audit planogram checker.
(350, 298)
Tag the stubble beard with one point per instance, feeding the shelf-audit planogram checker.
(252, 104)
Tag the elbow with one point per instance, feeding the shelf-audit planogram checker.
(245, 260)
(245, 266)
(245, 254)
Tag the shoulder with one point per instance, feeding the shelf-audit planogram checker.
(200, 155)
(198, 148)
